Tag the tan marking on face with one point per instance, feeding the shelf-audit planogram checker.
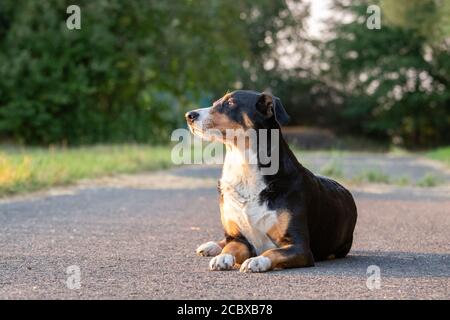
(222, 122)
(278, 231)
(237, 249)
(226, 96)
(248, 123)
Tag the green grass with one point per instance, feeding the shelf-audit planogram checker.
(373, 176)
(440, 154)
(402, 181)
(333, 168)
(428, 180)
(30, 169)
(376, 176)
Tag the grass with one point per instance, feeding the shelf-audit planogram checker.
(428, 180)
(402, 181)
(30, 169)
(373, 176)
(333, 168)
(440, 154)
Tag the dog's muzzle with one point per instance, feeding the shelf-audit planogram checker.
(191, 116)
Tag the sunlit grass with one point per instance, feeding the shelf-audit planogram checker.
(440, 154)
(28, 169)
(334, 168)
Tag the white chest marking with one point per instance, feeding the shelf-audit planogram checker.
(241, 184)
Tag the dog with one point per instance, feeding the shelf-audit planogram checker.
(286, 219)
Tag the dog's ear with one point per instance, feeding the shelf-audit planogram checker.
(269, 105)
(280, 113)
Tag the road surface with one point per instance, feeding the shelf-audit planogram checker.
(134, 237)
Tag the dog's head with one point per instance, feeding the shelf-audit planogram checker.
(239, 110)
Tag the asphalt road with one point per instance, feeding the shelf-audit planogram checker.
(135, 237)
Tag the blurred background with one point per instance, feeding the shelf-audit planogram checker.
(136, 66)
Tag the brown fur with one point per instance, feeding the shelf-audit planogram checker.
(286, 257)
(221, 122)
(231, 228)
(278, 231)
(237, 249)
(248, 123)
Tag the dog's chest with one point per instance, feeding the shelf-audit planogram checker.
(241, 206)
(253, 221)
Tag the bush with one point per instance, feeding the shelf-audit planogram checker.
(129, 74)
(394, 81)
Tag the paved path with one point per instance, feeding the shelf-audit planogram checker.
(396, 167)
(135, 237)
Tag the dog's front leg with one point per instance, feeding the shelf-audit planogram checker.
(211, 248)
(234, 252)
(289, 256)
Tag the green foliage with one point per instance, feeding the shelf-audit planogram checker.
(402, 181)
(372, 176)
(131, 71)
(428, 180)
(430, 18)
(440, 154)
(394, 83)
(333, 168)
(136, 66)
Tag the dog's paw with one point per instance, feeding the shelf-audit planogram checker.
(209, 249)
(223, 261)
(256, 264)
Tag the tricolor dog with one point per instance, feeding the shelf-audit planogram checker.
(288, 218)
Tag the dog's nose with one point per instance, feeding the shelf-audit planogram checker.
(192, 116)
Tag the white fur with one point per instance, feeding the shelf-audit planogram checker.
(209, 249)
(240, 189)
(223, 261)
(256, 264)
(202, 126)
(203, 118)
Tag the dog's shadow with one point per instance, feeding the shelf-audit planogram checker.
(391, 264)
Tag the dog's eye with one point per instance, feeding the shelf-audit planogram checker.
(228, 104)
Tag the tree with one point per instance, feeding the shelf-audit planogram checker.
(392, 84)
(429, 18)
(132, 69)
